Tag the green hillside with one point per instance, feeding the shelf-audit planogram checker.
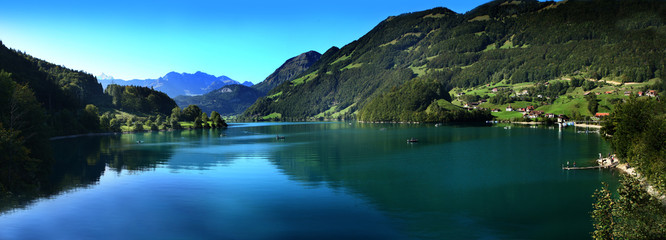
(509, 42)
(288, 70)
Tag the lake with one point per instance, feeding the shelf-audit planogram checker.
(322, 181)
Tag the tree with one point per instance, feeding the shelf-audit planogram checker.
(175, 124)
(633, 215)
(191, 112)
(602, 215)
(138, 126)
(105, 122)
(90, 118)
(175, 113)
(197, 122)
(114, 125)
(628, 121)
(217, 121)
(204, 117)
(592, 103)
(25, 149)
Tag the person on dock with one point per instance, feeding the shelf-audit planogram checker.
(567, 163)
(574, 164)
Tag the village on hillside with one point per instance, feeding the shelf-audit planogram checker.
(554, 101)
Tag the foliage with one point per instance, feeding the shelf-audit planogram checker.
(140, 99)
(602, 215)
(197, 122)
(217, 121)
(637, 130)
(25, 149)
(634, 214)
(416, 101)
(592, 103)
(190, 113)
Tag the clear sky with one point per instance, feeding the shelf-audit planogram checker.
(244, 40)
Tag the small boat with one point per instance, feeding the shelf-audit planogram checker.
(412, 140)
(278, 137)
(139, 141)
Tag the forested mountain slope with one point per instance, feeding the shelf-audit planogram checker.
(55, 86)
(39, 100)
(515, 41)
(288, 70)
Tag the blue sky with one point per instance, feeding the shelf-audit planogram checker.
(244, 40)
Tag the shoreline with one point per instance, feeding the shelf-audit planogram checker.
(113, 133)
(83, 135)
(647, 186)
(585, 125)
(529, 123)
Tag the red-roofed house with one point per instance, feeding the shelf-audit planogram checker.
(651, 93)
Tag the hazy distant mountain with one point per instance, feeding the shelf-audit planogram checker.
(176, 84)
(227, 100)
(234, 99)
(289, 69)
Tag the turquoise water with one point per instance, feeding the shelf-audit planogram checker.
(323, 181)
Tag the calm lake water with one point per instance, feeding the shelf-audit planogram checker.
(323, 181)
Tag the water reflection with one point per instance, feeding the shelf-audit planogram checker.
(459, 181)
(81, 161)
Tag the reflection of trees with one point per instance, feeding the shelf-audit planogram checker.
(81, 161)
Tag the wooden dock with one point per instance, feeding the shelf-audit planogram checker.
(602, 164)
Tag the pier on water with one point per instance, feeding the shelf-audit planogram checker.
(609, 162)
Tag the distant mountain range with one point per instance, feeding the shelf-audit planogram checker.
(227, 100)
(234, 99)
(177, 84)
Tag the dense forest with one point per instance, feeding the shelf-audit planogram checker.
(512, 41)
(39, 100)
(637, 132)
(419, 100)
(139, 99)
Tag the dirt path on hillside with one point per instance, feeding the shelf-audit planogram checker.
(606, 81)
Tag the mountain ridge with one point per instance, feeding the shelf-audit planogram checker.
(288, 70)
(175, 84)
(235, 98)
